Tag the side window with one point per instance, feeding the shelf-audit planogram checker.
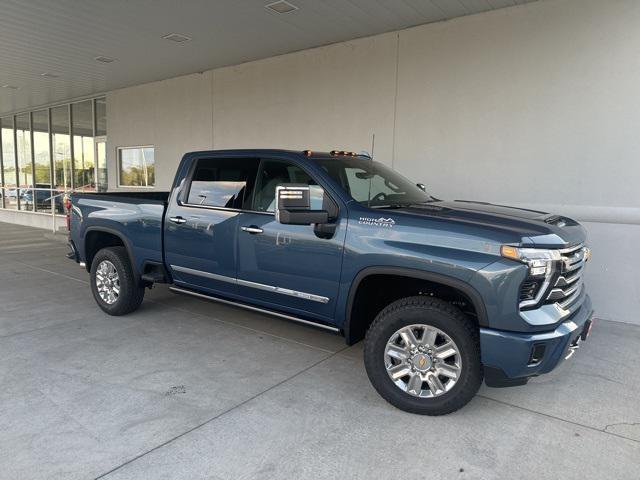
(274, 172)
(222, 182)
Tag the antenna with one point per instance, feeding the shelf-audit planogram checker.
(373, 144)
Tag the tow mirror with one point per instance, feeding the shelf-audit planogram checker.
(294, 203)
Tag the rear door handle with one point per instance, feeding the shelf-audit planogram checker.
(179, 220)
(251, 229)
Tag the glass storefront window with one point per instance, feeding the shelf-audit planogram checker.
(61, 148)
(83, 147)
(41, 152)
(25, 167)
(101, 164)
(101, 117)
(9, 193)
(52, 151)
(136, 167)
(42, 160)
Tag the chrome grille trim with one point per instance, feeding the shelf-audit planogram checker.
(571, 298)
(568, 286)
(564, 281)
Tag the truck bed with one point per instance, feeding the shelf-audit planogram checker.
(135, 218)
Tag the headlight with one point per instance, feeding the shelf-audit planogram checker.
(542, 264)
(538, 259)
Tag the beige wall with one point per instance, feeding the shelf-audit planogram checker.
(173, 115)
(534, 105)
(544, 94)
(326, 98)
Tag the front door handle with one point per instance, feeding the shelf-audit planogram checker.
(252, 229)
(179, 220)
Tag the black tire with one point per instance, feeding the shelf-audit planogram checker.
(450, 320)
(131, 290)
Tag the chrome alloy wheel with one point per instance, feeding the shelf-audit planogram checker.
(108, 282)
(422, 361)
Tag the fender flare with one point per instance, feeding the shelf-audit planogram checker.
(464, 287)
(115, 233)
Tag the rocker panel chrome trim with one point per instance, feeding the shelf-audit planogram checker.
(200, 273)
(255, 309)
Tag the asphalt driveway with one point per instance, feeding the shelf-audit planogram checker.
(188, 389)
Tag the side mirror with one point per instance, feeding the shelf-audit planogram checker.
(294, 204)
(422, 187)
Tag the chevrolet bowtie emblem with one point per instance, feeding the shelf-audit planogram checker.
(422, 362)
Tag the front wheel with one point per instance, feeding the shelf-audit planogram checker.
(113, 283)
(422, 355)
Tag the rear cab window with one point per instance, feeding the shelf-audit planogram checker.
(222, 182)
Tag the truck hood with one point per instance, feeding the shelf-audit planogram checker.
(519, 225)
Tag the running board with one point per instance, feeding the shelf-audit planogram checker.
(254, 309)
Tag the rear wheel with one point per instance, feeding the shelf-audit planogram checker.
(113, 283)
(423, 356)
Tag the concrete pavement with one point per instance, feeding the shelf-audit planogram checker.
(185, 388)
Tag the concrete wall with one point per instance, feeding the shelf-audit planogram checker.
(534, 105)
(34, 219)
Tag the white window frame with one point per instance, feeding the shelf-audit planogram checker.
(119, 166)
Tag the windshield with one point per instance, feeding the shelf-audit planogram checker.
(373, 184)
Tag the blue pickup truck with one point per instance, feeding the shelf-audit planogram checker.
(446, 294)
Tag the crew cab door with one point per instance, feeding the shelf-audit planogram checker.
(287, 267)
(201, 223)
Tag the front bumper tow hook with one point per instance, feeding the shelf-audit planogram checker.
(572, 349)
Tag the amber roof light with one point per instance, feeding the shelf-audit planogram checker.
(343, 152)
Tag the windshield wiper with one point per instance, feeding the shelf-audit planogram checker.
(404, 205)
(391, 207)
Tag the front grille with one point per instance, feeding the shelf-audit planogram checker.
(568, 284)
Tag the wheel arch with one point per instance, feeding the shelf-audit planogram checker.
(97, 238)
(355, 328)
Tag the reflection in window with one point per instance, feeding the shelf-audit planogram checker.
(36, 155)
(102, 181)
(25, 168)
(136, 167)
(61, 147)
(42, 193)
(83, 148)
(101, 117)
(221, 182)
(215, 193)
(9, 194)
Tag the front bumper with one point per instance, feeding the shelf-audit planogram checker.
(510, 358)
